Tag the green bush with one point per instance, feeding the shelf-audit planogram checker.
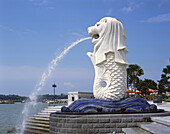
(168, 100)
(139, 96)
(164, 96)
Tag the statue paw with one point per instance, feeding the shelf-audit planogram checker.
(90, 54)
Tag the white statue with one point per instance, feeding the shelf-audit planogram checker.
(109, 59)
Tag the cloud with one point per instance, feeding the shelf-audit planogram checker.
(158, 19)
(162, 3)
(108, 0)
(12, 30)
(109, 12)
(30, 31)
(131, 6)
(68, 84)
(43, 3)
(50, 7)
(7, 28)
(40, 2)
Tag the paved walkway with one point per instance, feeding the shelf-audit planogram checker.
(166, 107)
(163, 105)
(160, 125)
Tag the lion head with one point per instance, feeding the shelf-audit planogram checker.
(108, 36)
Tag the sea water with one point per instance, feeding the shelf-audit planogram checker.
(11, 114)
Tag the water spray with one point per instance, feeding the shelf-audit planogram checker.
(40, 85)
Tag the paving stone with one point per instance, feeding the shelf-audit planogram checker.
(156, 128)
(53, 123)
(147, 119)
(131, 125)
(98, 125)
(134, 131)
(71, 125)
(138, 120)
(53, 120)
(104, 130)
(63, 130)
(87, 126)
(93, 120)
(61, 120)
(52, 129)
(104, 120)
(121, 125)
(114, 120)
(76, 125)
(117, 130)
(59, 133)
(83, 120)
(67, 125)
(126, 120)
(56, 129)
(71, 120)
(59, 125)
(71, 131)
(92, 131)
(162, 120)
(110, 125)
(81, 131)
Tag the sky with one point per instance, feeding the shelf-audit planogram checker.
(34, 32)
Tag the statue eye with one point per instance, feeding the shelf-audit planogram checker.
(97, 24)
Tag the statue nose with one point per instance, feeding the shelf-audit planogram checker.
(89, 29)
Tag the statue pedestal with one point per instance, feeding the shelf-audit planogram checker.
(85, 123)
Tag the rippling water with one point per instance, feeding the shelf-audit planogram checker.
(10, 115)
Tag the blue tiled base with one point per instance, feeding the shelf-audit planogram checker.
(133, 104)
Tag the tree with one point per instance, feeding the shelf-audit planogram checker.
(164, 82)
(145, 85)
(12, 97)
(133, 71)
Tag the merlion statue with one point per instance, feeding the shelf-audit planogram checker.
(109, 59)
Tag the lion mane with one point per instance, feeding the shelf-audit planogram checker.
(108, 36)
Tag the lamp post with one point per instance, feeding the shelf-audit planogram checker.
(54, 86)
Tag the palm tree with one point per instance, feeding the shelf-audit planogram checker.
(133, 71)
(164, 82)
(145, 85)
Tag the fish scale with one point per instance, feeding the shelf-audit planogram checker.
(117, 88)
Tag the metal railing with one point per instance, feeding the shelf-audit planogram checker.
(58, 102)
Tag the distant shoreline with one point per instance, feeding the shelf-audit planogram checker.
(41, 98)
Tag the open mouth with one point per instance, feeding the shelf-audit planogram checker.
(95, 36)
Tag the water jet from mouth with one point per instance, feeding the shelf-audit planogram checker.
(33, 97)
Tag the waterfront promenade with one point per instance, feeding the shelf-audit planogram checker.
(159, 125)
(166, 107)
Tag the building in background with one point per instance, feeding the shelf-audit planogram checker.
(72, 96)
